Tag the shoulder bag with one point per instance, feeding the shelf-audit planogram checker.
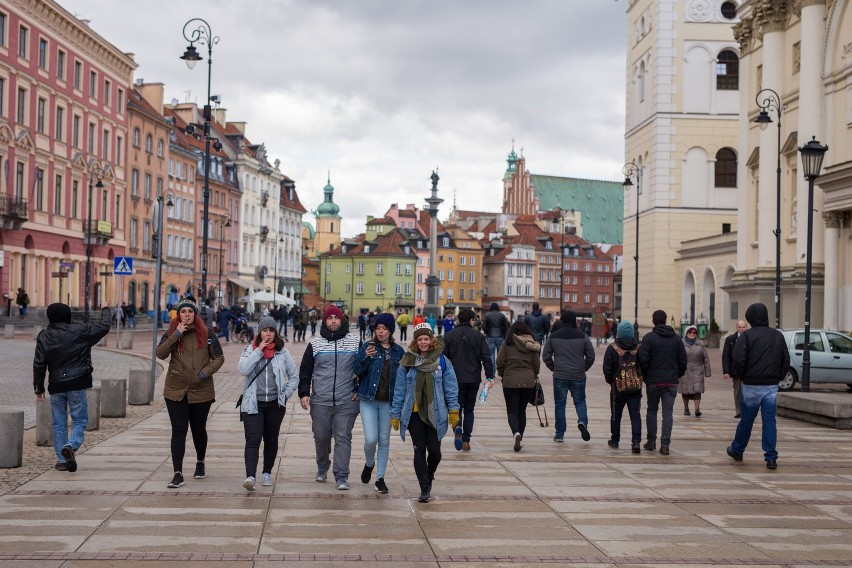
(240, 400)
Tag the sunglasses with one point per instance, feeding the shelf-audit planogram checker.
(692, 333)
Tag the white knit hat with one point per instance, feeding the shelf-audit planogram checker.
(422, 329)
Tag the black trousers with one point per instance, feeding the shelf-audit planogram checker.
(516, 408)
(467, 403)
(424, 438)
(265, 425)
(185, 416)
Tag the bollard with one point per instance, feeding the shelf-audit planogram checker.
(36, 330)
(138, 387)
(11, 438)
(126, 340)
(93, 402)
(10, 331)
(44, 422)
(102, 342)
(113, 398)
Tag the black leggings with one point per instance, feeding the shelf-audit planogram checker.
(424, 437)
(516, 408)
(183, 417)
(266, 424)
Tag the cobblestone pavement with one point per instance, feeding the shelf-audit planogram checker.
(572, 504)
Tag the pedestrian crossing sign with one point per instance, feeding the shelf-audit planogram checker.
(123, 266)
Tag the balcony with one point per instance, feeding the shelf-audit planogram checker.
(13, 212)
(101, 232)
(264, 198)
(264, 232)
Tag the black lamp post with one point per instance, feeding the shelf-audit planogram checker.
(202, 35)
(221, 257)
(559, 215)
(631, 170)
(812, 154)
(95, 173)
(275, 290)
(157, 252)
(768, 99)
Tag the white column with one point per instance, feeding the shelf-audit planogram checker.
(745, 203)
(773, 62)
(831, 303)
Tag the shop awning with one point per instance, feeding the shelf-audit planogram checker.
(247, 284)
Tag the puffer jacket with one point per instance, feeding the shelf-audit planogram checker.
(697, 367)
(369, 370)
(518, 362)
(760, 354)
(186, 366)
(537, 324)
(282, 367)
(661, 357)
(327, 372)
(65, 349)
(568, 352)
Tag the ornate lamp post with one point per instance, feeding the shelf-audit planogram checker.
(432, 281)
(202, 35)
(631, 170)
(275, 289)
(221, 257)
(768, 99)
(157, 252)
(559, 216)
(812, 154)
(95, 173)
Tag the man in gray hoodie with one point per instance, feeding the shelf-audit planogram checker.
(569, 353)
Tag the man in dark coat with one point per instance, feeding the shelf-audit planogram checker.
(760, 360)
(727, 352)
(537, 323)
(495, 326)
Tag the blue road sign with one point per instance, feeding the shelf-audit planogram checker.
(123, 266)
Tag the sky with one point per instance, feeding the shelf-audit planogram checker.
(381, 92)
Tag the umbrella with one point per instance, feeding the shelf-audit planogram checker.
(251, 300)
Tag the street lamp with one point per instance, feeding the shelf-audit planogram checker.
(157, 252)
(221, 256)
(768, 99)
(559, 215)
(275, 290)
(203, 35)
(95, 172)
(631, 170)
(812, 154)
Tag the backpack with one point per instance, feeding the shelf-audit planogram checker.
(628, 377)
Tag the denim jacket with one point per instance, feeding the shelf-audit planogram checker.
(369, 370)
(446, 396)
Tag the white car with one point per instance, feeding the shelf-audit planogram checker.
(831, 357)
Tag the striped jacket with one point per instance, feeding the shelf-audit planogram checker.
(327, 372)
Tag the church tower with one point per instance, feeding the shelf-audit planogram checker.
(328, 221)
(518, 192)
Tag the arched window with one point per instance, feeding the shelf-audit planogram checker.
(642, 73)
(726, 168)
(160, 148)
(727, 71)
(135, 137)
(149, 143)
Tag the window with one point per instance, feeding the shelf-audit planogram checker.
(328, 268)
(107, 90)
(23, 40)
(440, 274)
(471, 277)
(57, 196)
(398, 268)
(726, 168)
(42, 54)
(135, 139)
(729, 10)
(134, 182)
(118, 141)
(75, 132)
(408, 270)
(120, 106)
(727, 71)
(360, 268)
(39, 175)
(78, 75)
(105, 142)
(445, 241)
(40, 115)
(75, 191)
(93, 84)
(380, 268)
(398, 288)
(450, 275)
(359, 287)
(149, 146)
(60, 65)
(22, 106)
(462, 260)
(408, 289)
(60, 124)
(2, 95)
(3, 19)
(160, 148)
(91, 138)
(471, 261)
(586, 298)
(147, 186)
(146, 235)
(461, 276)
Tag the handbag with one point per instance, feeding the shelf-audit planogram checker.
(240, 400)
(538, 401)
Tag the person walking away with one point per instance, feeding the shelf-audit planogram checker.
(312, 319)
(727, 352)
(439, 325)
(403, 321)
(303, 328)
(761, 360)
(425, 403)
(691, 384)
(620, 360)
(376, 366)
(362, 326)
(282, 317)
(194, 356)
(495, 326)
(518, 363)
(537, 322)
(327, 387)
(131, 315)
(662, 361)
(63, 352)
(22, 300)
(467, 349)
(223, 319)
(270, 379)
(569, 353)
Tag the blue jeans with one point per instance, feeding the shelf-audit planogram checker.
(667, 395)
(577, 388)
(494, 344)
(375, 419)
(60, 405)
(758, 397)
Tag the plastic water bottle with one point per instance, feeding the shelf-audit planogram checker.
(484, 394)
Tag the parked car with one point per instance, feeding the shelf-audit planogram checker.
(831, 357)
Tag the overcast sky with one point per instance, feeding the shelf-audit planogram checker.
(380, 92)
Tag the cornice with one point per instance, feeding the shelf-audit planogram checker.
(744, 35)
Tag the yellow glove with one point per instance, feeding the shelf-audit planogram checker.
(454, 418)
(395, 423)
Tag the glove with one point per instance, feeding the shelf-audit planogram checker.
(395, 424)
(201, 375)
(454, 418)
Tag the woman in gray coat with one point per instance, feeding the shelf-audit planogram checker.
(691, 384)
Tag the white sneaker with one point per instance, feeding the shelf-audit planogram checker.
(518, 444)
(249, 483)
(343, 485)
(266, 479)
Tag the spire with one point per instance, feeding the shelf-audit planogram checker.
(328, 208)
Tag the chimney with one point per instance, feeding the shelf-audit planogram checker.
(153, 93)
(219, 115)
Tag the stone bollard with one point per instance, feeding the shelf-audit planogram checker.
(138, 383)
(103, 342)
(44, 422)
(36, 330)
(11, 438)
(10, 331)
(126, 340)
(93, 402)
(113, 398)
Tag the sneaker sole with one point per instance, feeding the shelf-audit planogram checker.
(175, 485)
(248, 485)
(70, 459)
(458, 441)
(517, 443)
(199, 476)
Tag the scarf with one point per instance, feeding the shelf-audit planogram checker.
(690, 341)
(268, 351)
(424, 386)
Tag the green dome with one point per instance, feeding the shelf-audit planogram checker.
(328, 208)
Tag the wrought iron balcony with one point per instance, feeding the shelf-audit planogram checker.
(101, 232)
(13, 211)
(264, 232)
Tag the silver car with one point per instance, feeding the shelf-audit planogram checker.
(831, 357)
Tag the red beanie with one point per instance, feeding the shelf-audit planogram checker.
(332, 311)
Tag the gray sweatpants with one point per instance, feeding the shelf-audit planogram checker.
(334, 421)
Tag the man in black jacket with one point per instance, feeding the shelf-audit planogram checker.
(495, 326)
(662, 359)
(64, 350)
(537, 322)
(727, 352)
(760, 360)
(467, 350)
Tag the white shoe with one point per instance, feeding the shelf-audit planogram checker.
(518, 444)
(266, 480)
(249, 483)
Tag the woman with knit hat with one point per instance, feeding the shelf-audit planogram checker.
(691, 384)
(270, 379)
(194, 355)
(425, 402)
(376, 366)
(624, 345)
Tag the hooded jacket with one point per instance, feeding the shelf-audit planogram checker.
(760, 355)
(568, 352)
(185, 366)
(538, 324)
(662, 357)
(327, 372)
(611, 357)
(518, 362)
(468, 351)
